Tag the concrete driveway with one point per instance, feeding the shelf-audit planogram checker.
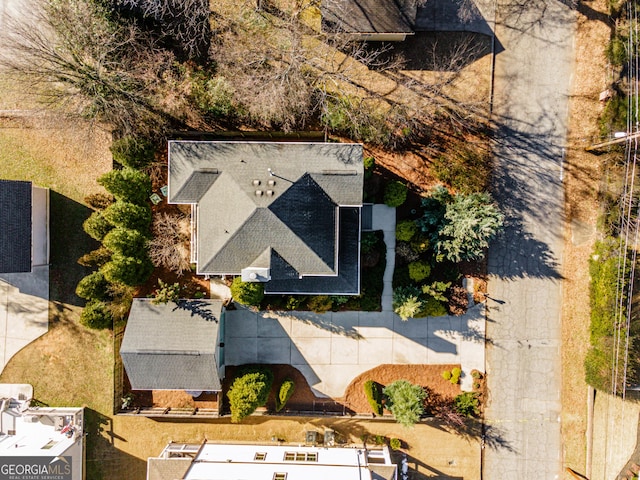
(24, 310)
(332, 349)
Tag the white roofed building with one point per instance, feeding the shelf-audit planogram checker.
(211, 461)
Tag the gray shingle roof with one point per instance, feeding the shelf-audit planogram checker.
(369, 16)
(172, 346)
(15, 226)
(294, 218)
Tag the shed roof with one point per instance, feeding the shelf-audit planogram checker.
(172, 346)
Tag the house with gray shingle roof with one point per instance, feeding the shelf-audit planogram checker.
(285, 214)
(372, 20)
(174, 346)
(24, 226)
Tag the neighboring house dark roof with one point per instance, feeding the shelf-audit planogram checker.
(172, 346)
(368, 16)
(271, 205)
(15, 226)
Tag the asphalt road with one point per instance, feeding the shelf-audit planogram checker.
(533, 68)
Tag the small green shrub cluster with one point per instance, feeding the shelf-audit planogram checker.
(96, 314)
(133, 152)
(93, 287)
(406, 302)
(395, 194)
(395, 444)
(249, 391)
(166, 293)
(368, 242)
(357, 119)
(405, 230)
(467, 404)
(419, 270)
(372, 392)
(284, 393)
(319, 303)
(247, 293)
(405, 401)
(452, 375)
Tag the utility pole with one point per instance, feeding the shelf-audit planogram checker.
(598, 146)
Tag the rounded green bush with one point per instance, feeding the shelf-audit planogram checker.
(96, 315)
(129, 215)
(249, 391)
(432, 307)
(446, 375)
(93, 287)
(395, 444)
(395, 194)
(284, 393)
(372, 392)
(420, 243)
(369, 163)
(247, 293)
(130, 271)
(130, 243)
(419, 270)
(97, 226)
(405, 230)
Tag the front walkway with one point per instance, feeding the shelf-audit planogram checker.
(24, 310)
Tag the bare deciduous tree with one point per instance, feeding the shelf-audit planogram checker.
(87, 66)
(169, 246)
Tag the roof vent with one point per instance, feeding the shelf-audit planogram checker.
(270, 193)
(258, 193)
(256, 183)
(271, 183)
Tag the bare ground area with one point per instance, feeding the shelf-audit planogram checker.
(582, 176)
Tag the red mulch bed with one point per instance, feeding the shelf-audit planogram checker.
(303, 399)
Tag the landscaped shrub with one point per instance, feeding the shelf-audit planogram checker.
(405, 401)
(247, 293)
(284, 393)
(406, 302)
(130, 243)
(431, 307)
(249, 391)
(99, 201)
(212, 95)
(319, 303)
(420, 243)
(127, 185)
(166, 292)
(130, 271)
(405, 230)
(467, 404)
(95, 258)
(405, 253)
(294, 301)
(368, 242)
(395, 444)
(129, 215)
(97, 226)
(372, 392)
(395, 194)
(93, 287)
(455, 375)
(369, 165)
(96, 314)
(446, 375)
(132, 151)
(419, 270)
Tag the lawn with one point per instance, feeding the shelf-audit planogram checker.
(69, 365)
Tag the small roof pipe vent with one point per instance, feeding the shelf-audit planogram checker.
(270, 193)
(258, 193)
(256, 183)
